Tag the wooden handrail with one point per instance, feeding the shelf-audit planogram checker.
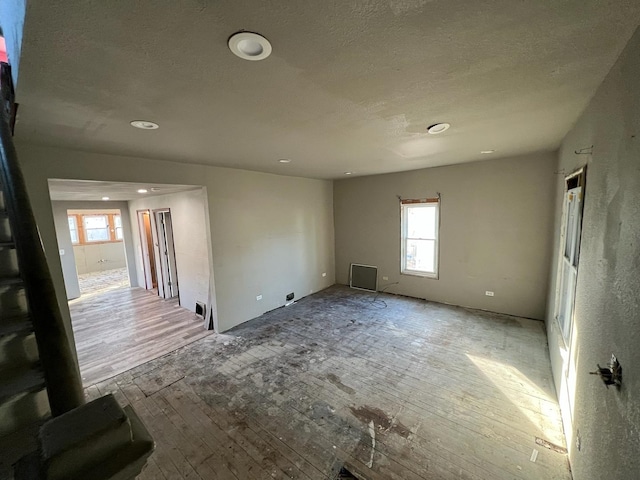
(62, 378)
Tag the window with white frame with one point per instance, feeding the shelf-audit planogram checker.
(96, 228)
(420, 222)
(117, 220)
(73, 229)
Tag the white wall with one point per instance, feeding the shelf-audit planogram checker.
(191, 242)
(496, 221)
(607, 309)
(63, 241)
(98, 257)
(270, 234)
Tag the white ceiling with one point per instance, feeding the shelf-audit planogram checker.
(88, 190)
(350, 85)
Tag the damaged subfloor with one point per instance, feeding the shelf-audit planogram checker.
(388, 387)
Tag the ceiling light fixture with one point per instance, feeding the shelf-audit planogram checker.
(285, 160)
(144, 125)
(143, 190)
(105, 198)
(437, 128)
(249, 46)
(348, 173)
(155, 189)
(485, 152)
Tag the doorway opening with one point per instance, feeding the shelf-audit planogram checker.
(98, 250)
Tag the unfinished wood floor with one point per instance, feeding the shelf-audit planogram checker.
(118, 329)
(413, 390)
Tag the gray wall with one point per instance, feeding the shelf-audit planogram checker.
(496, 224)
(63, 241)
(607, 315)
(270, 234)
(191, 243)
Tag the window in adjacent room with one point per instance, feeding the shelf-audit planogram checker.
(96, 228)
(73, 229)
(420, 222)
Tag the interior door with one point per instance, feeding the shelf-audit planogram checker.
(167, 254)
(567, 281)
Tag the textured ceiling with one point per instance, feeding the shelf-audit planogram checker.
(350, 86)
(86, 190)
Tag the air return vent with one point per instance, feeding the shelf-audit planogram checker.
(363, 277)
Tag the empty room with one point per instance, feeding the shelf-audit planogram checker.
(377, 239)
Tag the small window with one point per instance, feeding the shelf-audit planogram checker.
(96, 228)
(420, 221)
(73, 229)
(117, 220)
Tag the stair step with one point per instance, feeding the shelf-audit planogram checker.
(29, 381)
(21, 324)
(10, 281)
(4, 213)
(4, 245)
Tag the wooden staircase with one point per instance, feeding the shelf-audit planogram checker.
(45, 424)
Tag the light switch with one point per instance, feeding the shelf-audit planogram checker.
(61, 251)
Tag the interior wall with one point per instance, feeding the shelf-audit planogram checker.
(270, 234)
(190, 242)
(98, 257)
(68, 261)
(496, 219)
(607, 309)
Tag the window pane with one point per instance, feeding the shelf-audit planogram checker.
(421, 222)
(118, 220)
(421, 255)
(74, 236)
(72, 223)
(96, 221)
(97, 234)
(119, 233)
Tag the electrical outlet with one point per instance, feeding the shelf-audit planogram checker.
(324, 274)
(259, 297)
(385, 278)
(488, 293)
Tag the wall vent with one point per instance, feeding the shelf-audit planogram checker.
(201, 309)
(363, 277)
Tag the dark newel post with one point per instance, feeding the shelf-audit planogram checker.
(64, 386)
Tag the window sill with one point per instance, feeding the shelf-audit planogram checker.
(433, 276)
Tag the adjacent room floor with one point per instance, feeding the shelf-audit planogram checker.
(99, 282)
(391, 387)
(116, 329)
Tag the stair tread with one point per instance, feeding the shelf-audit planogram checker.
(7, 244)
(17, 324)
(29, 381)
(10, 280)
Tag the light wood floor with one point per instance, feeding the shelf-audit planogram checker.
(395, 389)
(118, 329)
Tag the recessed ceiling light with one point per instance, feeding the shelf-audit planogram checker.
(487, 151)
(249, 46)
(437, 128)
(285, 160)
(144, 125)
(142, 190)
(348, 173)
(105, 198)
(155, 189)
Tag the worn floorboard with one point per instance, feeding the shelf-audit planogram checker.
(391, 387)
